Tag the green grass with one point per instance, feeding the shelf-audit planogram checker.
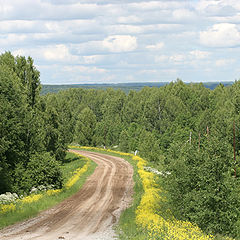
(127, 228)
(26, 211)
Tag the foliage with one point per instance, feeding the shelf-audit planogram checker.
(201, 186)
(42, 169)
(85, 127)
(27, 126)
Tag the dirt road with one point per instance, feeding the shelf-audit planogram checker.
(90, 213)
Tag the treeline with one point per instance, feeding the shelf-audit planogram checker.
(125, 87)
(32, 137)
(185, 129)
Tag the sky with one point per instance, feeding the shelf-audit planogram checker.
(117, 41)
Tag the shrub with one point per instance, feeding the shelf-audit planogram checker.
(42, 169)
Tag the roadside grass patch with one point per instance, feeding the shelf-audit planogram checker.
(36, 203)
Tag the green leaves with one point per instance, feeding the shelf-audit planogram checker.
(23, 122)
(201, 187)
(85, 127)
(42, 169)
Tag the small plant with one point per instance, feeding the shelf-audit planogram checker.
(8, 198)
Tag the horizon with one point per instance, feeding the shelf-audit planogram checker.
(127, 83)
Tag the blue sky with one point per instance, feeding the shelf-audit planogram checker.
(100, 41)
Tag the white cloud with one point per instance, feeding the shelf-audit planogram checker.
(120, 43)
(177, 58)
(157, 46)
(19, 52)
(92, 59)
(128, 19)
(123, 29)
(12, 39)
(19, 26)
(155, 5)
(174, 59)
(183, 14)
(163, 28)
(221, 35)
(83, 69)
(148, 71)
(161, 58)
(219, 8)
(224, 62)
(58, 53)
(199, 54)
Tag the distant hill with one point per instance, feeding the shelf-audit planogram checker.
(126, 87)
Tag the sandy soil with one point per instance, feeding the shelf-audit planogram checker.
(90, 213)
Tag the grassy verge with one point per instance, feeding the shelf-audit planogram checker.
(127, 227)
(32, 208)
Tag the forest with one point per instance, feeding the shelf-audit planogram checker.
(186, 129)
(125, 87)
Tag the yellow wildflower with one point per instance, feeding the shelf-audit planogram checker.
(53, 191)
(7, 207)
(77, 173)
(31, 198)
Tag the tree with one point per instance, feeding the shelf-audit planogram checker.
(30, 78)
(201, 187)
(85, 127)
(12, 113)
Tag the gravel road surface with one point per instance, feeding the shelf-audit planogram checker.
(90, 213)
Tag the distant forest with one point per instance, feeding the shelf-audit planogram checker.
(125, 87)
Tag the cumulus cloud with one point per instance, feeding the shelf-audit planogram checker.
(173, 59)
(224, 62)
(221, 35)
(177, 58)
(199, 54)
(123, 29)
(20, 26)
(183, 14)
(12, 39)
(19, 52)
(193, 58)
(156, 46)
(120, 43)
(92, 59)
(58, 53)
(83, 69)
(218, 8)
(128, 19)
(161, 58)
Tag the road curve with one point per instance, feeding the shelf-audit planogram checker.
(90, 213)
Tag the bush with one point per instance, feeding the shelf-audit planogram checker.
(42, 169)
